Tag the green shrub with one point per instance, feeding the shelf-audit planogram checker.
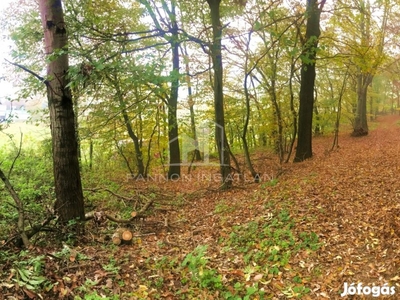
(32, 178)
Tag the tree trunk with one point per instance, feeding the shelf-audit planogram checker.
(317, 128)
(20, 208)
(398, 100)
(339, 111)
(292, 109)
(196, 152)
(134, 138)
(68, 187)
(220, 134)
(304, 142)
(119, 94)
(361, 123)
(365, 75)
(277, 133)
(90, 154)
(253, 172)
(174, 170)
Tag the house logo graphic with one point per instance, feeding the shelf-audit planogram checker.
(204, 143)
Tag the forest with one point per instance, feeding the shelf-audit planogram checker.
(200, 150)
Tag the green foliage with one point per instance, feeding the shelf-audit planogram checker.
(248, 292)
(272, 182)
(274, 243)
(28, 272)
(112, 266)
(309, 240)
(269, 244)
(265, 245)
(23, 25)
(224, 206)
(32, 179)
(196, 262)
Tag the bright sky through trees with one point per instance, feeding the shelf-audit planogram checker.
(5, 87)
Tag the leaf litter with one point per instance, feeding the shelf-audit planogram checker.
(348, 197)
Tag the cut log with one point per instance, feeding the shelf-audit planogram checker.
(122, 236)
(127, 235)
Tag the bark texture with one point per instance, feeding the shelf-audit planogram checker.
(308, 74)
(69, 203)
(220, 134)
(174, 170)
(360, 127)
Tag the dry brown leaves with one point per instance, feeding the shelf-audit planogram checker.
(349, 197)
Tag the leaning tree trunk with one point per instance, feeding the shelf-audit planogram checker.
(304, 143)
(134, 138)
(69, 203)
(220, 134)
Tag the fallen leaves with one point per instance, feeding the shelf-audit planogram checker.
(350, 198)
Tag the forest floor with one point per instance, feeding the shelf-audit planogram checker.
(302, 232)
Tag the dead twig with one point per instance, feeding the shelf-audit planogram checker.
(16, 157)
(20, 208)
(171, 243)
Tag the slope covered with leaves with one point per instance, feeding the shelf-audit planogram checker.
(302, 234)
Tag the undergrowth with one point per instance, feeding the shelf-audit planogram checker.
(253, 261)
(263, 250)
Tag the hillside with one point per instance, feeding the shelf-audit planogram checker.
(301, 233)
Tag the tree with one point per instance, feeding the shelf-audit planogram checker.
(273, 63)
(220, 134)
(112, 63)
(174, 170)
(308, 74)
(191, 102)
(247, 78)
(69, 204)
(368, 60)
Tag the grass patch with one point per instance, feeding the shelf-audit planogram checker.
(32, 134)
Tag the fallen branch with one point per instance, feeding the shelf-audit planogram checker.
(135, 215)
(30, 233)
(41, 227)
